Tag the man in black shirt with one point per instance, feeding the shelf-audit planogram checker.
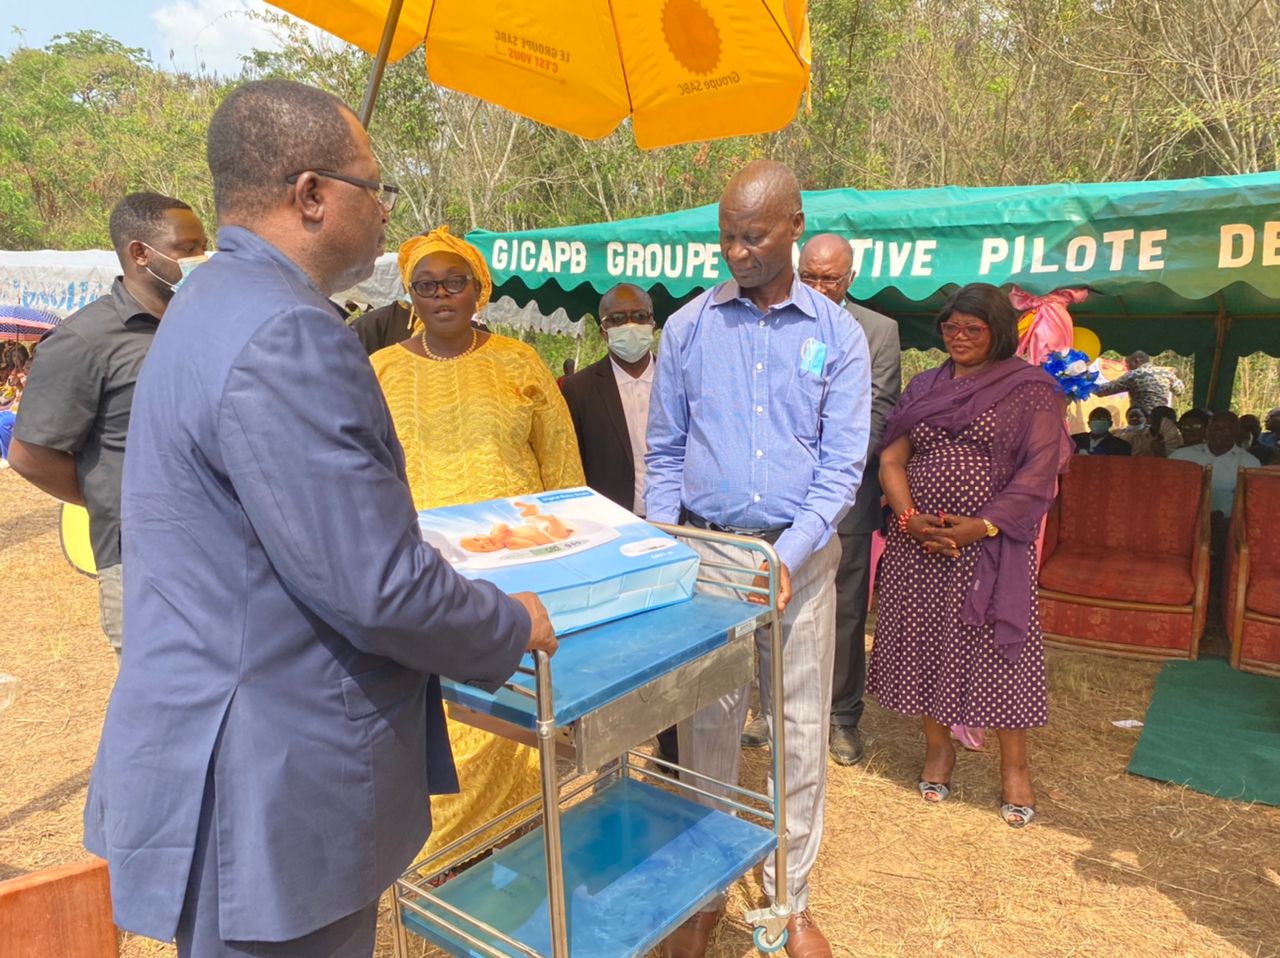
(384, 326)
(388, 325)
(69, 439)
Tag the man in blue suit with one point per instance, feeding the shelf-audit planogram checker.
(277, 728)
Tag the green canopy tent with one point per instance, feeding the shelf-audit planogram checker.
(1189, 265)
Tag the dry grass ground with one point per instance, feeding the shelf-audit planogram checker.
(1115, 865)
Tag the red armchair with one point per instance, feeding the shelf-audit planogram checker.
(1125, 568)
(1251, 604)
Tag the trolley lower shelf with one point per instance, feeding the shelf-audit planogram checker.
(637, 861)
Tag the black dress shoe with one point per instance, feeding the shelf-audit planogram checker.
(756, 733)
(846, 745)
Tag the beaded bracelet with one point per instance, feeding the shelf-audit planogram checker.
(905, 516)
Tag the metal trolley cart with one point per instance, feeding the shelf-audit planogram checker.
(625, 855)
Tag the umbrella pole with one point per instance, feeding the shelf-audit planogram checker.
(380, 62)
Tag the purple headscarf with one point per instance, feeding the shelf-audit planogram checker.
(1032, 448)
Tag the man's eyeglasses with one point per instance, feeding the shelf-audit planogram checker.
(621, 319)
(386, 193)
(825, 281)
(426, 288)
(964, 330)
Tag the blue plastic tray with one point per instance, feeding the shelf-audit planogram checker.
(637, 860)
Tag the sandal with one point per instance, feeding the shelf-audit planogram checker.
(934, 792)
(1016, 816)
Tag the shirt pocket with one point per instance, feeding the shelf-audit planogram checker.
(802, 406)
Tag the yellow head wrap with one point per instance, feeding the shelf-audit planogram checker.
(442, 241)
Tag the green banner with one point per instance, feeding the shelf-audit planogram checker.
(1193, 237)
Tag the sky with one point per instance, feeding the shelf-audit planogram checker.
(209, 32)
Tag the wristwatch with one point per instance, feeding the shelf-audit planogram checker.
(991, 529)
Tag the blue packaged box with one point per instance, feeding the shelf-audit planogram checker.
(588, 559)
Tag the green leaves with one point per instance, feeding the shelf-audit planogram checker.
(905, 94)
(84, 121)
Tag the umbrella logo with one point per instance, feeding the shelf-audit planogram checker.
(691, 34)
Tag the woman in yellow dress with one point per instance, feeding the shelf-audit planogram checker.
(480, 417)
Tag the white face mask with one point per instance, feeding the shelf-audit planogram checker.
(187, 264)
(631, 341)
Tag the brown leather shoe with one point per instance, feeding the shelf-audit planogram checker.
(690, 939)
(805, 939)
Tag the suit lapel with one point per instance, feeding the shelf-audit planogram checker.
(612, 403)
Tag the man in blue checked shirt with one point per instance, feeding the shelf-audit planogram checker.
(758, 425)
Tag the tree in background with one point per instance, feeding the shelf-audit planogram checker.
(905, 94)
(85, 121)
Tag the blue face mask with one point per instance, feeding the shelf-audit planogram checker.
(1099, 427)
(631, 341)
(186, 264)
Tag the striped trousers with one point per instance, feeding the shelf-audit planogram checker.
(709, 739)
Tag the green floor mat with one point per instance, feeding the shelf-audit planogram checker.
(1213, 729)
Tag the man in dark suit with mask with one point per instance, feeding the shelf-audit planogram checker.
(609, 400)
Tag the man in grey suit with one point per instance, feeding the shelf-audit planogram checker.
(277, 726)
(826, 264)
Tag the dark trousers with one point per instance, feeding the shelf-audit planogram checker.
(853, 587)
(198, 935)
(1219, 525)
(668, 745)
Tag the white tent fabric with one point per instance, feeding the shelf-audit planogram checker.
(62, 282)
(55, 281)
(506, 312)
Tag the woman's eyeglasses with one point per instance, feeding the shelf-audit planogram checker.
(964, 330)
(426, 288)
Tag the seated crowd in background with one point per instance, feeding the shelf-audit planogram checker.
(14, 362)
(1158, 435)
(1221, 440)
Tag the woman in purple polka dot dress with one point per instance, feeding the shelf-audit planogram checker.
(969, 465)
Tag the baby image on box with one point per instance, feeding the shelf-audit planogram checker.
(588, 559)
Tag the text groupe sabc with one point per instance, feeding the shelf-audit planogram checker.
(1239, 245)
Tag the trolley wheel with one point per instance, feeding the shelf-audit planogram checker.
(764, 944)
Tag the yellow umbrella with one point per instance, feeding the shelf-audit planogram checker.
(683, 70)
